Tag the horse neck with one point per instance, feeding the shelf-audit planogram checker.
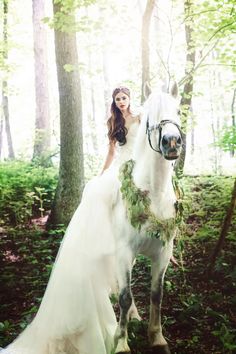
(154, 174)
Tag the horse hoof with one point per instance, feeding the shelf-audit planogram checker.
(161, 349)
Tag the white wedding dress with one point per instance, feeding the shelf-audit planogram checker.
(76, 315)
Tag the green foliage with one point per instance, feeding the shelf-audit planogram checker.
(194, 307)
(138, 206)
(227, 139)
(6, 45)
(64, 16)
(5, 328)
(227, 336)
(213, 19)
(26, 190)
(69, 68)
(27, 256)
(137, 201)
(213, 27)
(205, 208)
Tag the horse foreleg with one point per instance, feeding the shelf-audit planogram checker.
(133, 312)
(125, 302)
(156, 338)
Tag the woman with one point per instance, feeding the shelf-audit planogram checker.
(119, 123)
(76, 315)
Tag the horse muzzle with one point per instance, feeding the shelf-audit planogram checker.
(171, 146)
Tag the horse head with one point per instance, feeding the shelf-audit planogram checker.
(163, 124)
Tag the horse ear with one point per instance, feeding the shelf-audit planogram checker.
(146, 89)
(174, 90)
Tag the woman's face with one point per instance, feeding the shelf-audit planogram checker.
(122, 101)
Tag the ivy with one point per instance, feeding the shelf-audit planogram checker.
(138, 205)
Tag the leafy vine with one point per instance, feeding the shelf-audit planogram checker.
(138, 205)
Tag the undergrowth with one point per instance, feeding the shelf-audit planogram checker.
(26, 191)
(198, 313)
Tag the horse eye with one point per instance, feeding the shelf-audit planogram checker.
(165, 140)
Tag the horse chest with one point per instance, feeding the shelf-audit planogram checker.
(163, 206)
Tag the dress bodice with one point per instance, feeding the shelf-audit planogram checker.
(125, 152)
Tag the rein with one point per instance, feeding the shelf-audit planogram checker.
(159, 128)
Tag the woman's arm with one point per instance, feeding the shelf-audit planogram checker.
(110, 156)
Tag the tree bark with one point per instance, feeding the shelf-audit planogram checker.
(92, 114)
(224, 230)
(42, 122)
(107, 85)
(146, 22)
(71, 170)
(1, 135)
(5, 103)
(186, 100)
(232, 152)
(212, 85)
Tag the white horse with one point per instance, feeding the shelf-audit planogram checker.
(144, 217)
(114, 222)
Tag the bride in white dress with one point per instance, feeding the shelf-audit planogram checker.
(76, 315)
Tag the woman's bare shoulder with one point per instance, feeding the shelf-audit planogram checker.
(137, 118)
(137, 114)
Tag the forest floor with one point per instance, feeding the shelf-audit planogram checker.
(198, 312)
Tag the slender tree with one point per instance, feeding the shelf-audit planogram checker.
(146, 22)
(42, 122)
(1, 134)
(71, 170)
(232, 151)
(104, 16)
(187, 94)
(107, 86)
(5, 103)
(92, 115)
(224, 230)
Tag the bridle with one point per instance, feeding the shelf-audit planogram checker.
(159, 127)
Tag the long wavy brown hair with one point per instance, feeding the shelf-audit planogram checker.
(116, 123)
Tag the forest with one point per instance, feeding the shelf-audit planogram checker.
(60, 61)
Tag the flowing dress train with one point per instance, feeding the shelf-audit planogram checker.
(76, 315)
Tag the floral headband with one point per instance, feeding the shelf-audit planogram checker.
(123, 89)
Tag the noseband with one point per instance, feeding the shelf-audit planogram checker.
(159, 127)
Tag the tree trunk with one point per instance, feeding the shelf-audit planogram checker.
(107, 87)
(5, 104)
(192, 135)
(105, 52)
(232, 152)
(212, 85)
(224, 230)
(92, 115)
(42, 122)
(146, 22)
(1, 135)
(186, 100)
(71, 170)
